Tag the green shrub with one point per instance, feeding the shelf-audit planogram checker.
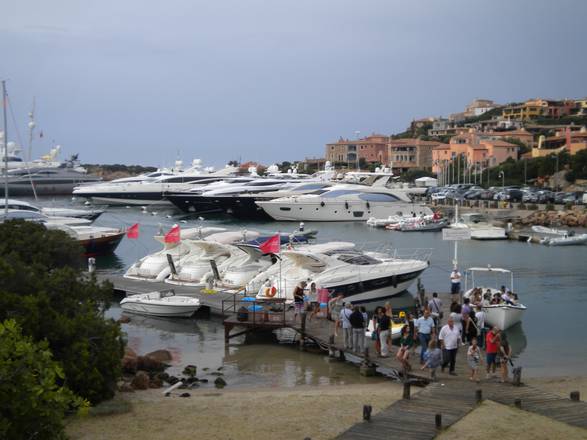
(522, 205)
(56, 303)
(549, 207)
(33, 403)
(533, 207)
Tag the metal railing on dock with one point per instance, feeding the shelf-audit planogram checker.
(249, 311)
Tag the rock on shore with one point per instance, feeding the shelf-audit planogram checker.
(572, 218)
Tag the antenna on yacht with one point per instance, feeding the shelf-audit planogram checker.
(4, 99)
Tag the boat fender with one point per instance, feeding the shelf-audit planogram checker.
(322, 204)
(346, 205)
(368, 205)
(394, 281)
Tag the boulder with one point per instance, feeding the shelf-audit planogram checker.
(155, 383)
(185, 395)
(162, 356)
(149, 364)
(129, 361)
(141, 380)
(219, 382)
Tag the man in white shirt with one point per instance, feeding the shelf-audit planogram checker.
(455, 284)
(449, 337)
(347, 328)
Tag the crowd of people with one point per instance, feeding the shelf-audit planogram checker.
(438, 341)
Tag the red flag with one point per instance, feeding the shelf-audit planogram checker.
(173, 235)
(133, 231)
(272, 245)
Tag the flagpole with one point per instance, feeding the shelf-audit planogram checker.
(5, 148)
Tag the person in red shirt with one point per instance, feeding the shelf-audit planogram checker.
(492, 341)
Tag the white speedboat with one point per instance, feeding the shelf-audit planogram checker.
(38, 217)
(383, 222)
(164, 304)
(549, 231)
(88, 214)
(155, 267)
(346, 202)
(480, 228)
(501, 315)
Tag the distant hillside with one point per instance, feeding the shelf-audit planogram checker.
(117, 171)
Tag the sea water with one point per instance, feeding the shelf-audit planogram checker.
(550, 281)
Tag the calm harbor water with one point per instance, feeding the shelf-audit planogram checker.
(551, 282)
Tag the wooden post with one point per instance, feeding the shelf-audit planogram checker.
(517, 376)
(478, 396)
(303, 319)
(367, 412)
(438, 421)
(406, 394)
(331, 350)
(575, 396)
(518, 403)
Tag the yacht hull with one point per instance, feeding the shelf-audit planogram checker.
(194, 204)
(101, 245)
(166, 310)
(339, 211)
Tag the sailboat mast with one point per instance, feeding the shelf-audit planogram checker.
(4, 99)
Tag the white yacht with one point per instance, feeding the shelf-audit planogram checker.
(346, 202)
(89, 214)
(39, 217)
(480, 228)
(149, 189)
(155, 267)
(360, 277)
(501, 315)
(196, 268)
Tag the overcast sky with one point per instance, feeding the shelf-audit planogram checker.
(129, 81)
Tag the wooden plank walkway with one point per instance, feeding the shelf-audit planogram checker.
(415, 418)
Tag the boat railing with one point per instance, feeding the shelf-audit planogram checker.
(252, 311)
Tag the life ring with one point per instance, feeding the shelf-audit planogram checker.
(270, 291)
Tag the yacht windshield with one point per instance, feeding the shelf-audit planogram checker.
(360, 260)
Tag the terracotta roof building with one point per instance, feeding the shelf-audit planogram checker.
(406, 154)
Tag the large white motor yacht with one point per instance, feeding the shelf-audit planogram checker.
(359, 276)
(149, 190)
(346, 202)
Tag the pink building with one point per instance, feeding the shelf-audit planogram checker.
(473, 150)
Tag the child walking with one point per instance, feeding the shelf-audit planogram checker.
(432, 359)
(474, 359)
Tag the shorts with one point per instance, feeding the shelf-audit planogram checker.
(455, 288)
(491, 358)
(473, 364)
(298, 307)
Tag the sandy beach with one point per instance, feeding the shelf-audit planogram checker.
(295, 413)
(282, 413)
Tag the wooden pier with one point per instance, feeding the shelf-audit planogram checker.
(420, 415)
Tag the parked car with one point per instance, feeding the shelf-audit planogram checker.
(487, 194)
(509, 194)
(473, 194)
(558, 197)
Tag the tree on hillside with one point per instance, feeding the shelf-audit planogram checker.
(56, 302)
(32, 403)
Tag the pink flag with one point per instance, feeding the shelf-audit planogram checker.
(173, 235)
(272, 245)
(133, 231)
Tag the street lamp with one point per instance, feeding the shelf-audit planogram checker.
(502, 175)
(357, 133)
